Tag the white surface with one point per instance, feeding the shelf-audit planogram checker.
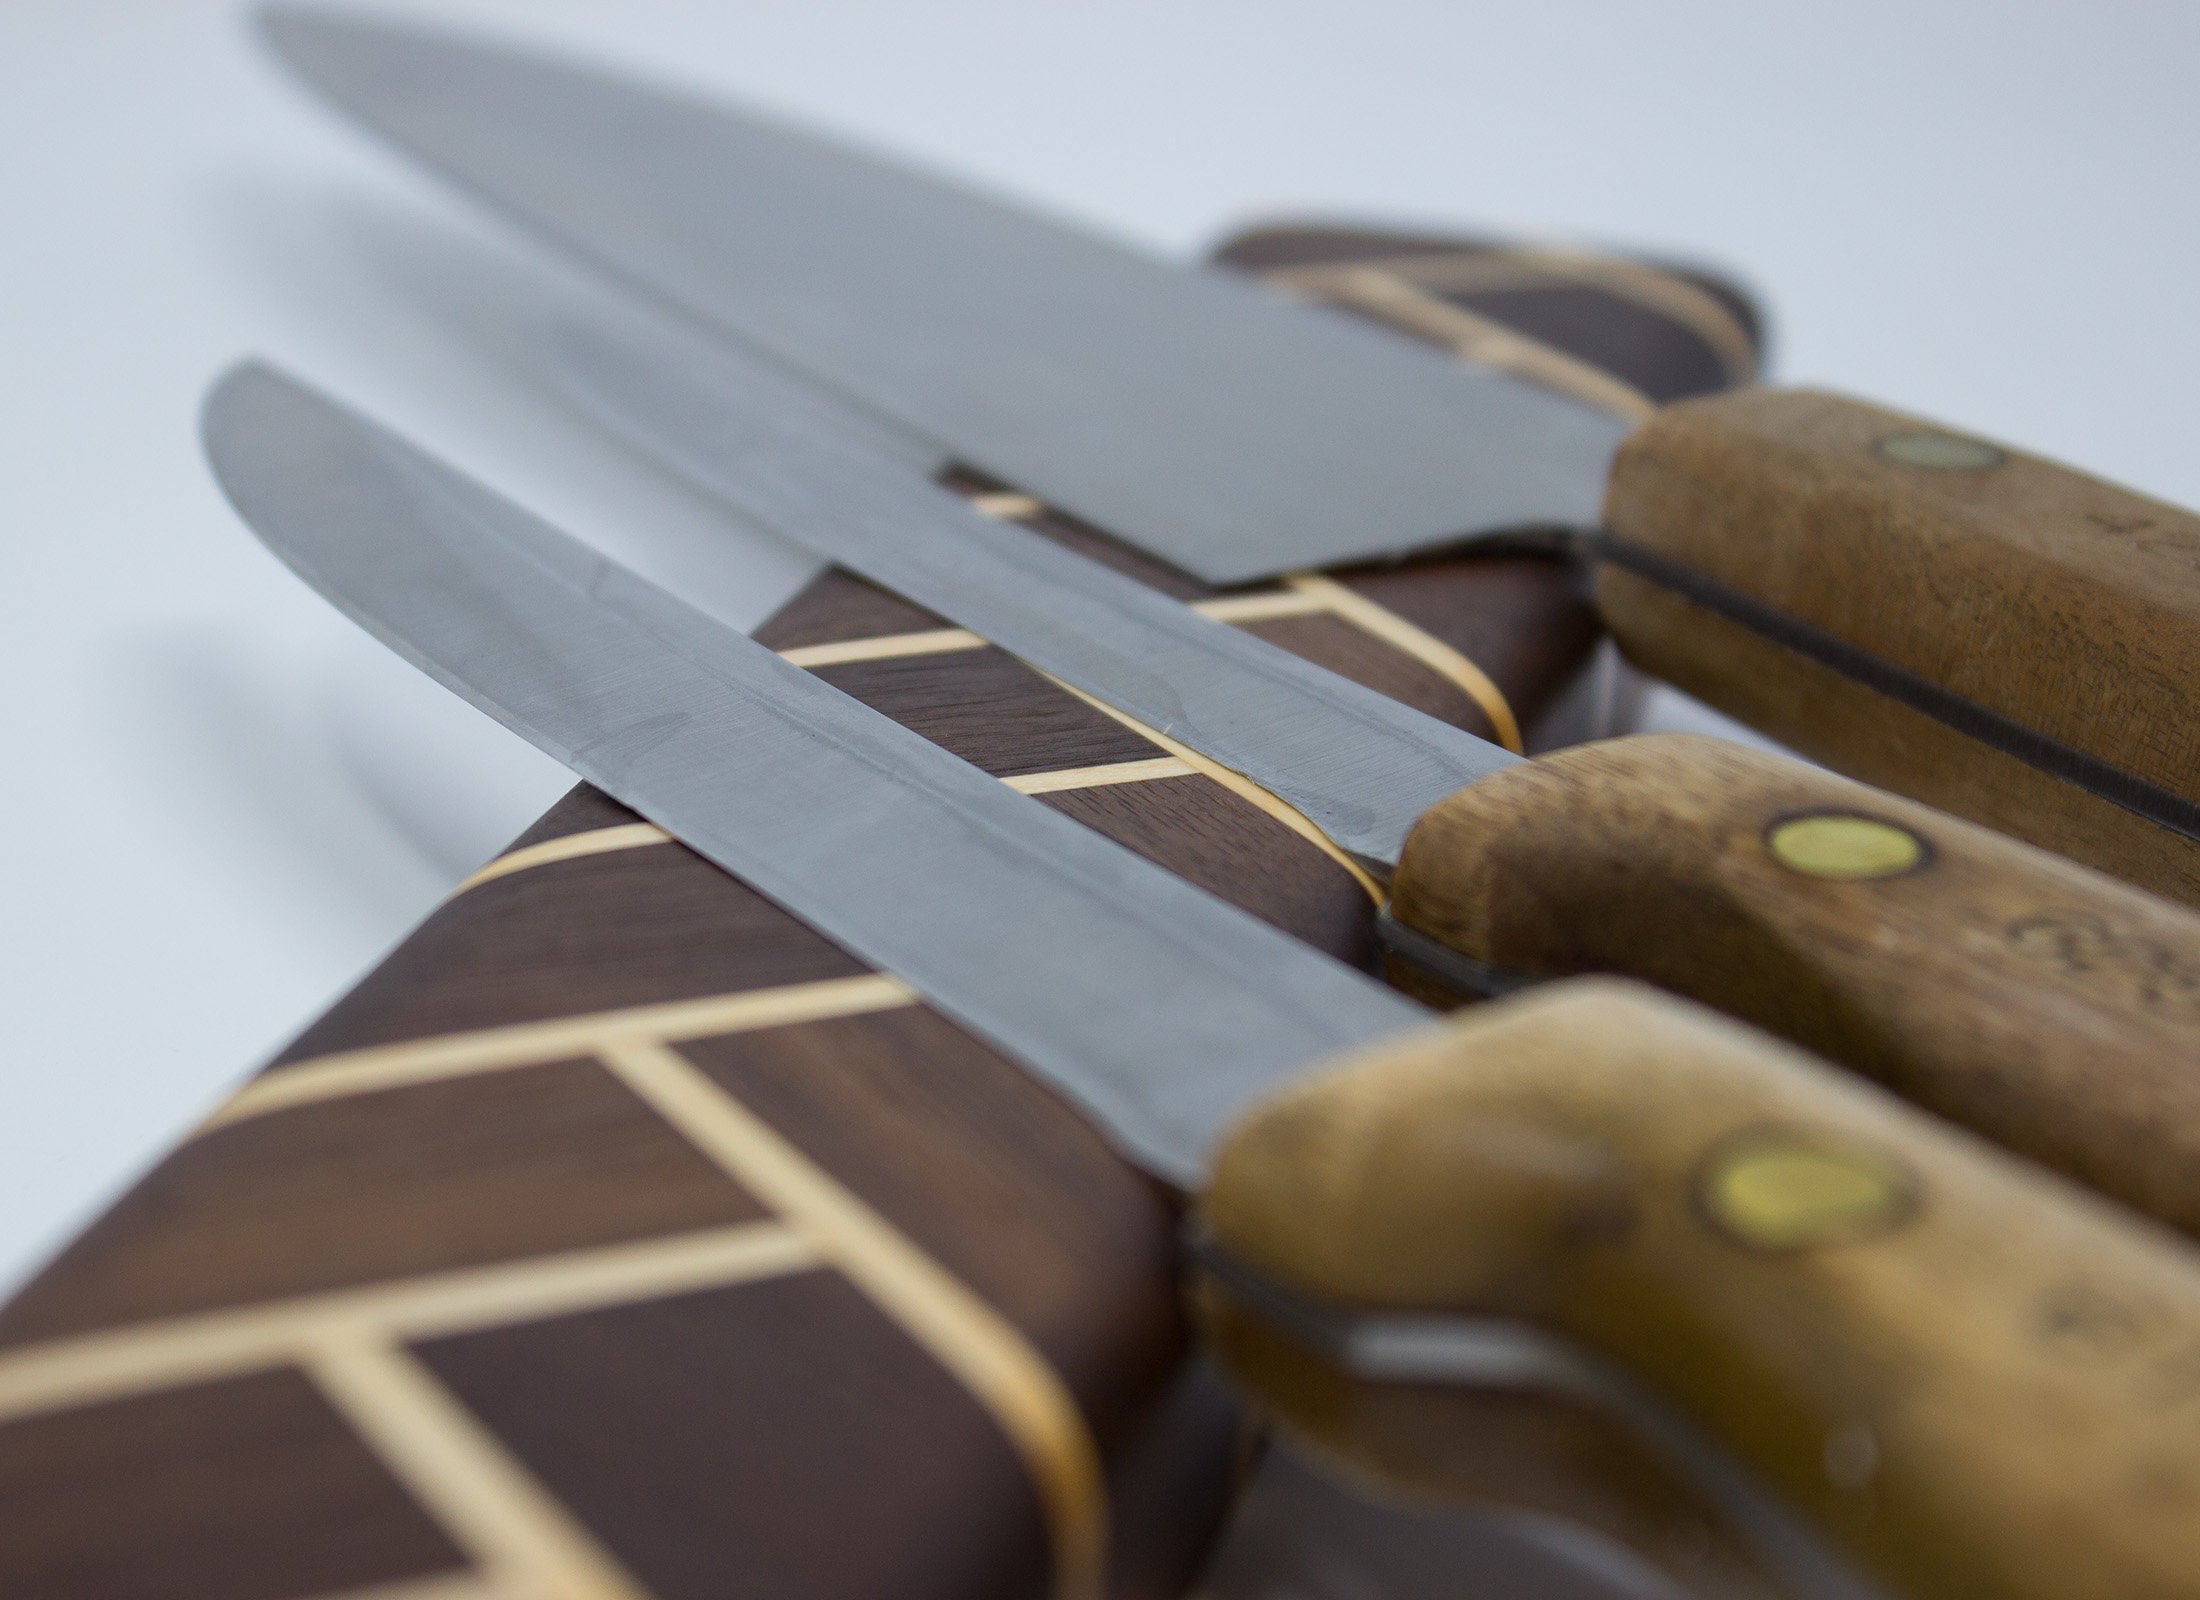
(222, 802)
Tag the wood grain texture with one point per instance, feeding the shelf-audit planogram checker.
(1851, 727)
(2058, 615)
(1979, 1380)
(2048, 1007)
(620, 1236)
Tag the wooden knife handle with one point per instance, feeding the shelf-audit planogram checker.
(2048, 1007)
(1978, 1380)
(1994, 634)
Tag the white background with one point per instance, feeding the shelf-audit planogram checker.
(221, 802)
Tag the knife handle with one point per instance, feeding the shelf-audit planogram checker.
(1994, 634)
(1977, 1380)
(2048, 1007)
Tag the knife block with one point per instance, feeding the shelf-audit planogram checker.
(619, 1235)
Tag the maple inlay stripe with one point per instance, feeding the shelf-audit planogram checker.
(1006, 504)
(883, 647)
(169, 1351)
(523, 1540)
(981, 1348)
(568, 847)
(1241, 786)
(527, 1044)
(1664, 293)
(1101, 776)
(1402, 636)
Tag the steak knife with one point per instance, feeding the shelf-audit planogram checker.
(2052, 1008)
(1999, 636)
(1594, 1187)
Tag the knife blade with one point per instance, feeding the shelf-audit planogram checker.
(1166, 1012)
(1358, 764)
(1227, 428)
(645, 698)
(1760, 548)
(1894, 948)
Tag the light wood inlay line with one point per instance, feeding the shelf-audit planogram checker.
(1258, 607)
(1112, 772)
(966, 1336)
(1241, 786)
(1696, 309)
(946, 641)
(567, 847)
(1547, 266)
(1006, 504)
(1483, 340)
(524, 1541)
(1425, 648)
(527, 1044)
(216, 1344)
(884, 647)
(629, 836)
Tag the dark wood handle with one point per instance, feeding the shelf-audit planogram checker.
(2051, 1008)
(1974, 1377)
(1991, 633)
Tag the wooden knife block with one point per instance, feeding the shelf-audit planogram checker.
(620, 1235)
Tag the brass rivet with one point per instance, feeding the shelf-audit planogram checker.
(1940, 452)
(1836, 845)
(1776, 1190)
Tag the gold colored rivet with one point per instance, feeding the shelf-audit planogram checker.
(1005, 504)
(1940, 452)
(1836, 845)
(1785, 1191)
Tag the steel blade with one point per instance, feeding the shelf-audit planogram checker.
(1222, 427)
(1359, 765)
(1158, 1007)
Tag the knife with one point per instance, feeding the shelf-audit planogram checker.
(2005, 638)
(2051, 1008)
(1594, 1178)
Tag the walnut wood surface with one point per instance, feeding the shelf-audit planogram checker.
(2028, 635)
(619, 1235)
(2050, 1008)
(1979, 1380)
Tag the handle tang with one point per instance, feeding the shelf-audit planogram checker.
(1993, 634)
(2048, 1007)
(1976, 1379)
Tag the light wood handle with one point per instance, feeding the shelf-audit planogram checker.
(2048, 1007)
(1981, 1382)
(1994, 634)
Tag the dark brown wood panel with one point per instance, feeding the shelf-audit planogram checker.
(992, 710)
(249, 1489)
(880, 1479)
(1201, 831)
(489, 1109)
(975, 1161)
(1354, 653)
(464, 1172)
(589, 935)
(1519, 609)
